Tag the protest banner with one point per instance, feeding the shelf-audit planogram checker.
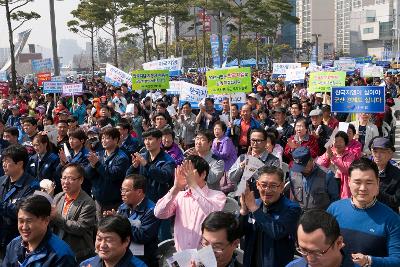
(191, 93)
(150, 79)
(358, 99)
(42, 65)
(363, 60)
(116, 77)
(174, 88)
(174, 65)
(294, 76)
(71, 89)
(3, 76)
(279, 69)
(4, 88)
(53, 87)
(43, 77)
(344, 64)
(372, 71)
(228, 81)
(235, 98)
(59, 79)
(324, 81)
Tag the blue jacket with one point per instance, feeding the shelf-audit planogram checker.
(237, 129)
(159, 174)
(9, 198)
(128, 260)
(147, 232)
(275, 226)
(107, 177)
(14, 121)
(130, 145)
(52, 251)
(45, 168)
(82, 158)
(346, 262)
(79, 113)
(371, 231)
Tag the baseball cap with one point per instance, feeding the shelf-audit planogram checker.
(281, 110)
(382, 142)
(316, 112)
(94, 129)
(319, 95)
(301, 156)
(253, 95)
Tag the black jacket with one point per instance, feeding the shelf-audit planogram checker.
(389, 187)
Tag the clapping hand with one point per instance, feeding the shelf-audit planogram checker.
(138, 160)
(93, 159)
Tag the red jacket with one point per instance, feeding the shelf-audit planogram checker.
(310, 142)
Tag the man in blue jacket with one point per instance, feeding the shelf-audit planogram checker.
(127, 143)
(15, 185)
(36, 245)
(107, 171)
(158, 167)
(269, 222)
(140, 212)
(112, 244)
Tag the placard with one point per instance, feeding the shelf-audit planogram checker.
(358, 99)
(43, 77)
(150, 79)
(228, 81)
(53, 87)
(71, 89)
(191, 93)
(295, 75)
(3, 76)
(42, 65)
(171, 64)
(117, 77)
(324, 81)
(345, 64)
(279, 69)
(372, 71)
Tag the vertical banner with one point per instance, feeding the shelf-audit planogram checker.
(214, 51)
(226, 42)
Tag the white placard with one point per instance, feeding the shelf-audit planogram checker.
(192, 92)
(116, 76)
(372, 71)
(280, 68)
(72, 89)
(171, 64)
(297, 74)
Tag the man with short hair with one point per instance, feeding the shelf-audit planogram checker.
(62, 134)
(140, 212)
(112, 244)
(222, 231)
(197, 200)
(242, 128)
(295, 113)
(202, 147)
(74, 212)
(106, 170)
(311, 187)
(389, 175)
(370, 229)
(11, 135)
(186, 126)
(15, 185)
(284, 129)
(127, 143)
(105, 114)
(319, 242)
(269, 222)
(29, 126)
(37, 245)
(207, 115)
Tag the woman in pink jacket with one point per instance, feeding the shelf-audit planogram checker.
(354, 146)
(340, 158)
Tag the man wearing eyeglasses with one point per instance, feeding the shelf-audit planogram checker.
(140, 211)
(269, 222)
(74, 213)
(222, 231)
(319, 242)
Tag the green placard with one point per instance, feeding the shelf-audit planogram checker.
(227, 81)
(324, 81)
(150, 79)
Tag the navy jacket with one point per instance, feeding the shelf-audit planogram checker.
(146, 233)
(82, 158)
(389, 187)
(107, 177)
(301, 262)
(52, 251)
(128, 260)
(9, 198)
(130, 145)
(275, 227)
(159, 174)
(45, 168)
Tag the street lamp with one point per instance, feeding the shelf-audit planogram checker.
(56, 61)
(317, 35)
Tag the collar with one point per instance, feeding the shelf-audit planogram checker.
(276, 206)
(208, 156)
(263, 157)
(72, 197)
(20, 182)
(124, 261)
(40, 248)
(369, 205)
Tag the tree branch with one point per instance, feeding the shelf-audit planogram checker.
(20, 25)
(106, 31)
(21, 5)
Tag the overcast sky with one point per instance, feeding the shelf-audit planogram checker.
(41, 33)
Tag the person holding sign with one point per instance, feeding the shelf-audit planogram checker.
(207, 115)
(365, 131)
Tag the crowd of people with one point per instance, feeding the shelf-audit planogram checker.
(102, 178)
